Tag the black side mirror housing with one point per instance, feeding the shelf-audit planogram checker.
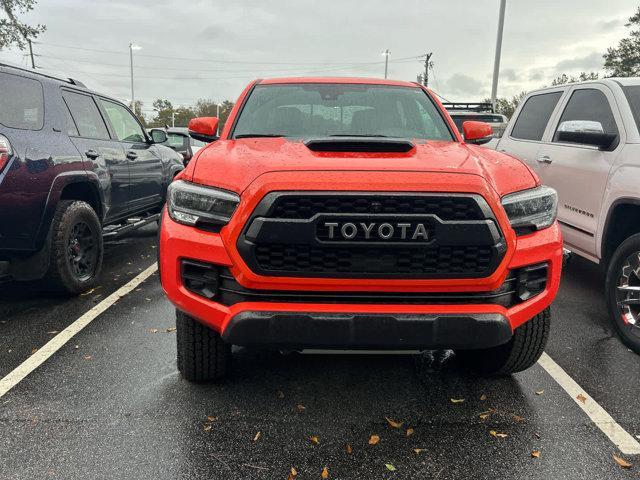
(603, 141)
(158, 135)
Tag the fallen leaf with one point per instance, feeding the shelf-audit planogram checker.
(256, 437)
(301, 408)
(88, 292)
(170, 329)
(418, 450)
(280, 394)
(390, 467)
(457, 400)
(315, 439)
(87, 357)
(484, 415)
(153, 330)
(517, 418)
(581, 398)
(393, 423)
(483, 397)
(535, 454)
(493, 433)
(374, 439)
(536, 434)
(207, 427)
(539, 392)
(349, 449)
(325, 473)
(33, 350)
(409, 432)
(211, 418)
(292, 473)
(622, 462)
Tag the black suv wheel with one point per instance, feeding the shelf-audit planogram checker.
(521, 352)
(202, 354)
(622, 289)
(76, 247)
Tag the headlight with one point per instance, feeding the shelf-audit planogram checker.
(196, 205)
(531, 210)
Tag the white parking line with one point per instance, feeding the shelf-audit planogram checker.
(57, 342)
(618, 435)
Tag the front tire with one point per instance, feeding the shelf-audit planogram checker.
(76, 248)
(202, 354)
(521, 352)
(622, 289)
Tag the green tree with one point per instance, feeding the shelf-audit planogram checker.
(584, 76)
(506, 106)
(624, 60)
(137, 110)
(12, 30)
(164, 112)
(225, 110)
(182, 115)
(206, 108)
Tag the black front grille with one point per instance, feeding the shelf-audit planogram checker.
(287, 235)
(444, 207)
(465, 260)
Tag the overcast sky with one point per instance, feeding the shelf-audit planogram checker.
(211, 49)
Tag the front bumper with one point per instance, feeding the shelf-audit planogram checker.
(358, 325)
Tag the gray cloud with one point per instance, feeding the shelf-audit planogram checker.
(607, 25)
(459, 83)
(509, 74)
(535, 75)
(593, 61)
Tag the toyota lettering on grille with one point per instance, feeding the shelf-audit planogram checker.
(377, 231)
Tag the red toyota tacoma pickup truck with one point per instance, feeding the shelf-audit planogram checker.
(350, 213)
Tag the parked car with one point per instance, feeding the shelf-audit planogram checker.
(480, 112)
(179, 140)
(72, 162)
(351, 214)
(583, 140)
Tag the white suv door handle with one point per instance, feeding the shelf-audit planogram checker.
(545, 159)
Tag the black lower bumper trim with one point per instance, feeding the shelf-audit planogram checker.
(367, 330)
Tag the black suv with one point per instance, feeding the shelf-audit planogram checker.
(72, 162)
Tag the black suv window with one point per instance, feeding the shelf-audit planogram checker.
(125, 125)
(589, 105)
(86, 115)
(535, 115)
(21, 102)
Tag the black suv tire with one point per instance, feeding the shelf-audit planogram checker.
(629, 334)
(76, 248)
(521, 352)
(202, 354)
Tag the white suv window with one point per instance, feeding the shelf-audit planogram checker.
(589, 105)
(534, 116)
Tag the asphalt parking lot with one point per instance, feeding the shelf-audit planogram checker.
(110, 402)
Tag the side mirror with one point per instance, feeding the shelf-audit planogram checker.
(158, 135)
(586, 132)
(477, 133)
(204, 129)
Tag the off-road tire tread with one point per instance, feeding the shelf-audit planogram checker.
(202, 354)
(521, 352)
(58, 277)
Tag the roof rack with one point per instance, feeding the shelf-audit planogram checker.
(72, 81)
(469, 107)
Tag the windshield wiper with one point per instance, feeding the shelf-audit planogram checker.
(258, 135)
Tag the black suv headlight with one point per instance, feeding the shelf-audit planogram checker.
(200, 206)
(531, 210)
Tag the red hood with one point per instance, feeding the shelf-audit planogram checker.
(235, 164)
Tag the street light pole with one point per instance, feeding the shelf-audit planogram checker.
(496, 62)
(386, 54)
(133, 98)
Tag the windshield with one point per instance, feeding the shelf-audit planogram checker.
(633, 96)
(320, 110)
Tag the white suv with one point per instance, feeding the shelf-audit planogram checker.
(583, 139)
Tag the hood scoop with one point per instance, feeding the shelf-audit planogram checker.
(359, 144)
